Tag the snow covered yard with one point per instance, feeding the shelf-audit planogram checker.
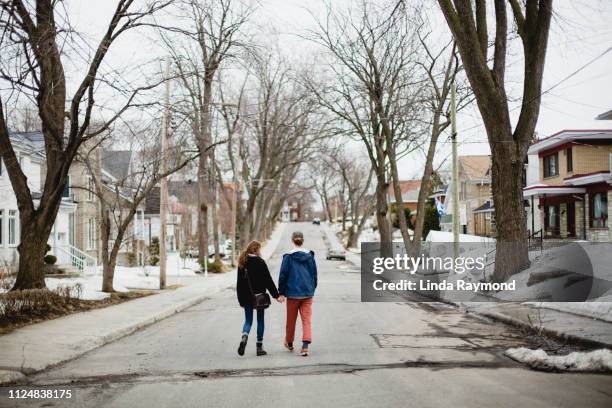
(131, 278)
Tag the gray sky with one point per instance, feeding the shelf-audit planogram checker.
(581, 31)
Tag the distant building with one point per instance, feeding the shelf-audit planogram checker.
(476, 210)
(410, 194)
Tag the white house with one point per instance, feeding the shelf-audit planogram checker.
(29, 148)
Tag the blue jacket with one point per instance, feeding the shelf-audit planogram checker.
(298, 275)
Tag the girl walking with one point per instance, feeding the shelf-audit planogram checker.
(253, 281)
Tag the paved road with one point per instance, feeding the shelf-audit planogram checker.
(362, 355)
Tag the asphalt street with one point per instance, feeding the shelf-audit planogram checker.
(363, 355)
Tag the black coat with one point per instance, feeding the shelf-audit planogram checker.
(259, 277)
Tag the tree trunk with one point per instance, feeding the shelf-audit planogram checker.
(202, 209)
(32, 249)
(215, 223)
(511, 252)
(108, 270)
(425, 187)
(397, 192)
(381, 210)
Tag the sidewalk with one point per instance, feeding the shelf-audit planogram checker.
(555, 323)
(43, 345)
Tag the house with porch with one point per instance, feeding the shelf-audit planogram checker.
(29, 148)
(573, 195)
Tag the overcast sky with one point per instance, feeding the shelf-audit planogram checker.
(581, 31)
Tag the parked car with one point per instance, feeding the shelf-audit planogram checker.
(316, 221)
(336, 253)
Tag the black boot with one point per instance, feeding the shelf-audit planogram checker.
(243, 343)
(260, 350)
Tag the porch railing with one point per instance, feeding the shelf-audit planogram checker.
(535, 241)
(82, 261)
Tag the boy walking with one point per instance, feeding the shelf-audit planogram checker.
(297, 282)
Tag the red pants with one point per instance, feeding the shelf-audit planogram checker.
(304, 306)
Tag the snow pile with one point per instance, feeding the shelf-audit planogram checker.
(598, 360)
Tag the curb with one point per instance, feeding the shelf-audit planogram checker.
(549, 332)
(8, 376)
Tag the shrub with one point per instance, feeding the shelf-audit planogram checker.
(37, 302)
(213, 267)
(7, 279)
(153, 260)
(50, 259)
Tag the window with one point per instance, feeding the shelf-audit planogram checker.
(66, 192)
(569, 158)
(551, 165)
(91, 233)
(90, 188)
(13, 224)
(1, 227)
(599, 210)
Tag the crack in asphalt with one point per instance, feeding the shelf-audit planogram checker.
(300, 370)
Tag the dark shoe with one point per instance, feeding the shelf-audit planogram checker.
(288, 346)
(304, 352)
(260, 350)
(243, 344)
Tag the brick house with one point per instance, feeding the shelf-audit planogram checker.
(574, 193)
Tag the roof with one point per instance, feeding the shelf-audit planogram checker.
(32, 142)
(117, 162)
(569, 135)
(405, 187)
(486, 207)
(476, 167)
(605, 116)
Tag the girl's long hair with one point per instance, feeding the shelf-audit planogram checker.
(252, 248)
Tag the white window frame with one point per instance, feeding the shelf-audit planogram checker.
(91, 234)
(90, 189)
(68, 181)
(13, 215)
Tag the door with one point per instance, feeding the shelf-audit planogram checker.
(571, 219)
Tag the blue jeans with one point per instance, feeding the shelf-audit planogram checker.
(248, 321)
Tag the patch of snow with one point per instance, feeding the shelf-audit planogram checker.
(598, 360)
(129, 278)
(443, 236)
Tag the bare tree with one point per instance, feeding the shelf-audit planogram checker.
(32, 37)
(374, 89)
(120, 196)
(198, 52)
(468, 21)
(441, 66)
(278, 137)
(24, 118)
(356, 176)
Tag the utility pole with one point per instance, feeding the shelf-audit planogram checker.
(455, 171)
(163, 194)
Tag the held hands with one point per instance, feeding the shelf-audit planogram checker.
(280, 299)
